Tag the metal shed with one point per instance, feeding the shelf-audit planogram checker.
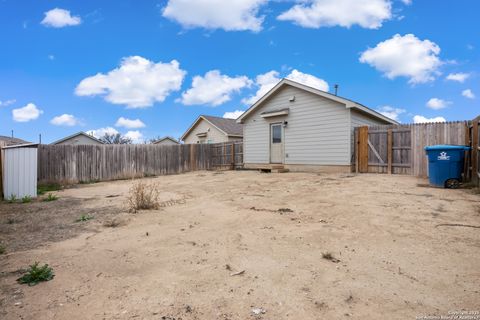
(19, 171)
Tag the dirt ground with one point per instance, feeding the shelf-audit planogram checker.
(392, 257)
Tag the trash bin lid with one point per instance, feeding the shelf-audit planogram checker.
(446, 147)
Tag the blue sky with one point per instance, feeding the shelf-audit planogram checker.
(149, 68)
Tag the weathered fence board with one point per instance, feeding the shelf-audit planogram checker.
(86, 163)
(2, 144)
(474, 137)
(400, 149)
(228, 155)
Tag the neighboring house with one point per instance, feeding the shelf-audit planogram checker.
(297, 127)
(79, 138)
(167, 141)
(208, 129)
(10, 141)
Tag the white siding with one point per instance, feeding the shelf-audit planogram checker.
(20, 172)
(80, 139)
(213, 136)
(361, 119)
(318, 130)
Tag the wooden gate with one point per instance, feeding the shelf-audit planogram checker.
(227, 155)
(384, 150)
(400, 148)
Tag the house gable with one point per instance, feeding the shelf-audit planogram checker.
(317, 131)
(203, 131)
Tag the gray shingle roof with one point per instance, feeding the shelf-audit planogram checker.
(12, 141)
(230, 126)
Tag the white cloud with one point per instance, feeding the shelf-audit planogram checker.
(51, 57)
(467, 93)
(422, 119)
(405, 56)
(129, 123)
(368, 14)
(391, 112)
(231, 15)
(137, 83)
(265, 82)
(407, 2)
(233, 114)
(437, 104)
(98, 133)
(65, 120)
(27, 113)
(459, 77)
(59, 18)
(6, 103)
(308, 80)
(213, 89)
(136, 136)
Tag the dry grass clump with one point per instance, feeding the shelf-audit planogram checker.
(143, 196)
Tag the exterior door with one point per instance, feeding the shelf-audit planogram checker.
(276, 143)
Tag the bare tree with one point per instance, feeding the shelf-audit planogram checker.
(115, 138)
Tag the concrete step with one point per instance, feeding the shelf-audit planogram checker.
(276, 166)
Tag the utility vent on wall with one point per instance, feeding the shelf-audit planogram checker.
(292, 98)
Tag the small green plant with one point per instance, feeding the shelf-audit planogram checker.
(84, 217)
(2, 249)
(50, 197)
(36, 274)
(44, 188)
(12, 198)
(26, 199)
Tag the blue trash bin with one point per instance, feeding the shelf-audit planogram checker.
(445, 165)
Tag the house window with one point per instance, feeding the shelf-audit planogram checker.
(277, 134)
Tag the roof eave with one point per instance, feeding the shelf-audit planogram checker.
(372, 112)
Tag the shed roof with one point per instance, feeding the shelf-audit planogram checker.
(347, 102)
(81, 133)
(229, 127)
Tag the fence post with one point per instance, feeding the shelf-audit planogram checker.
(466, 163)
(389, 150)
(1, 170)
(233, 155)
(475, 150)
(363, 149)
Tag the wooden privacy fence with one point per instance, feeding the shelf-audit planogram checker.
(400, 149)
(474, 135)
(228, 155)
(87, 163)
(2, 144)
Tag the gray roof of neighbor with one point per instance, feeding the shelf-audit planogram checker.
(81, 133)
(166, 138)
(229, 126)
(12, 141)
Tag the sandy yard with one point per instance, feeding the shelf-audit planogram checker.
(395, 259)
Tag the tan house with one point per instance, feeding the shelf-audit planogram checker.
(209, 129)
(297, 127)
(167, 141)
(79, 138)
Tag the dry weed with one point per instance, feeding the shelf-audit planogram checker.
(143, 196)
